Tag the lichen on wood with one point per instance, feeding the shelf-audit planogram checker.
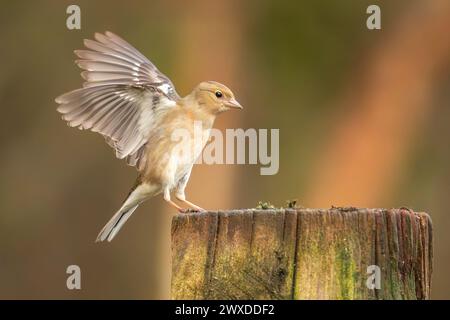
(301, 254)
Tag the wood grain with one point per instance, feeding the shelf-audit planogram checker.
(301, 254)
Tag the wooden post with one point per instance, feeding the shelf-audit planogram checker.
(302, 254)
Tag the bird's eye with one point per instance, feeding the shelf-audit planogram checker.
(219, 94)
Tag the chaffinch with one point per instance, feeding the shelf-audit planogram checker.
(136, 108)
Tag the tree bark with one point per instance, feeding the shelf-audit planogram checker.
(301, 254)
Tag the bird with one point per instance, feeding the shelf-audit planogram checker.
(136, 108)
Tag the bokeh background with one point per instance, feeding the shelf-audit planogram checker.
(364, 120)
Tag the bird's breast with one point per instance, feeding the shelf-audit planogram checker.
(174, 148)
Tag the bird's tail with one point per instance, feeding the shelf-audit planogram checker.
(137, 195)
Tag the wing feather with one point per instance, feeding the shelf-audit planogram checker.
(122, 98)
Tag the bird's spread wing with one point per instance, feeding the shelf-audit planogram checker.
(122, 98)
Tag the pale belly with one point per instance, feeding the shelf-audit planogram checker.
(171, 157)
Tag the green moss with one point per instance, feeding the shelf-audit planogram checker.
(396, 289)
(239, 275)
(347, 273)
(262, 205)
(292, 204)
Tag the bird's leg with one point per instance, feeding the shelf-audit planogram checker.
(182, 198)
(193, 206)
(173, 204)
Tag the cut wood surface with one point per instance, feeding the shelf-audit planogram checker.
(301, 254)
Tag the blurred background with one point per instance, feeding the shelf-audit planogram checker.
(364, 120)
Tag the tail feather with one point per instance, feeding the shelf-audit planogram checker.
(138, 194)
(113, 226)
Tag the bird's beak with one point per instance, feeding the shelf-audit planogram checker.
(232, 103)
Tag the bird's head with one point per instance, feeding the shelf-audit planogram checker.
(215, 97)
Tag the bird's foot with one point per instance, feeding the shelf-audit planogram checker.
(194, 207)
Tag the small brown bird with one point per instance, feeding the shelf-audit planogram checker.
(135, 107)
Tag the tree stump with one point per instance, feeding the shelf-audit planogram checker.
(302, 254)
